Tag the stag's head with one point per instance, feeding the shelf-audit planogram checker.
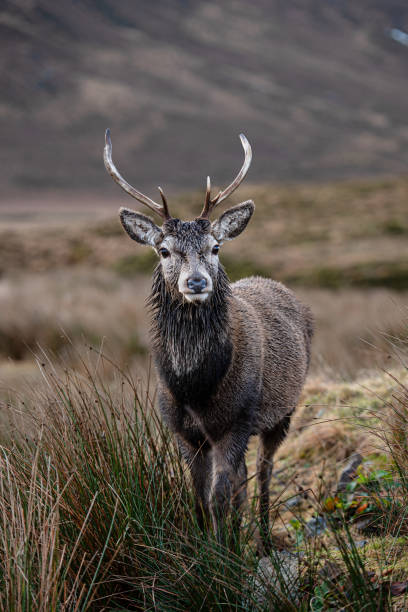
(188, 250)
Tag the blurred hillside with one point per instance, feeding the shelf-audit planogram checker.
(328, 235)
(71, 271)
(319, 87)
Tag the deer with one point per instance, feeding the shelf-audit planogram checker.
(231, 358)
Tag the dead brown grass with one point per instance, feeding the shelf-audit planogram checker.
(71, 277)
(85, 284)
(67, 269)
(80, 305)
(333, 421)
(332, 235)
(356, 329)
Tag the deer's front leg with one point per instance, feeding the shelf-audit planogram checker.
(228, 456)
(199, 463)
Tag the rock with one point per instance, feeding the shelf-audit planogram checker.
(315, 526)
(364, 524)
(277, 577)
(293, 502)
(357, 544)
(349, 472)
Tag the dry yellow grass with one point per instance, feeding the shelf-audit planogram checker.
(333, 421)
(67, 265)
(336, 234)
(97, 306)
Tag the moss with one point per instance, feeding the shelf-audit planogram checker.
(369, 187)
(393, 275)
(17, 345)
(395, 227)
(388, 553)
(380, 459)
(306, 454)
(351, 402)
(134, 346)
(240, 268)
(131, 265)
(79, 251)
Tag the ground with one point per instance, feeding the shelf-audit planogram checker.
(73, 285)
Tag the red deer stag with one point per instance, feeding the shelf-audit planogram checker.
(231, 359)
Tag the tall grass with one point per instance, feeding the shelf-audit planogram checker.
(96, 512)
(96, 508)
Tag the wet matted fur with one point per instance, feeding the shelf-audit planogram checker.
(229, 368)
(231, 359)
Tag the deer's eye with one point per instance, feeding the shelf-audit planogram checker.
(215, 249)
(164, 253)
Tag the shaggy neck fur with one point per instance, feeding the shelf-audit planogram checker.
(191, 343)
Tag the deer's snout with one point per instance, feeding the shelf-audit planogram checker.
(196, 283)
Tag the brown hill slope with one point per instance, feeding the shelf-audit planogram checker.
(319, 88)
(68, 269)
(327, 235)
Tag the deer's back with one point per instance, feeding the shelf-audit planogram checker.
(283, 326)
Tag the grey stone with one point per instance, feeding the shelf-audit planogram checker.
(315, 526)
(293, 502)
(349, 471)
(278, 574)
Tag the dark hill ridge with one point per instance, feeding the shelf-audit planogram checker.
(319, 87)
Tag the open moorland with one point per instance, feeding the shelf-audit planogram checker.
(95, 504)
(68, 269)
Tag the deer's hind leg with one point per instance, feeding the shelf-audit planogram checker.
(268, 444)
(238, 499)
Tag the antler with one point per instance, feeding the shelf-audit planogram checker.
(162, 210)
(211, 203)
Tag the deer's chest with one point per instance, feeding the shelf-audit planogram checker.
(194, 379)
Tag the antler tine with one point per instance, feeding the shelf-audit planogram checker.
(241, 174)
(207, 204)
(165, 205)
(211, 203)
(161, 210)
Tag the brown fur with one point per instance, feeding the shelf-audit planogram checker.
(230, 365)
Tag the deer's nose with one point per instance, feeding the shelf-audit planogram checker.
(196, 283)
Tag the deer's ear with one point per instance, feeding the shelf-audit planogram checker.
(233, 221)
(140, 227)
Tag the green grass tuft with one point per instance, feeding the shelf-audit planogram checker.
(97, 512)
